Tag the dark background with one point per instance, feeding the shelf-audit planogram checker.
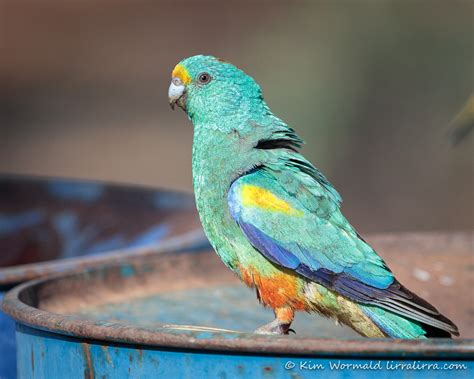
(372, 87)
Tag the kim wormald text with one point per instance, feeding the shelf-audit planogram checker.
(374, 365)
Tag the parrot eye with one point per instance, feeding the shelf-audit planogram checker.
(204, 78)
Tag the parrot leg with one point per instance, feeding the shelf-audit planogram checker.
(281, 325)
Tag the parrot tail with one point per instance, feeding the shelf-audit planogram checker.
(411, 317)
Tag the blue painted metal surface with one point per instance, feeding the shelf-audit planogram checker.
(7, 345)
(54, 225)
(43, 220)
(184, 315)
(49, 356)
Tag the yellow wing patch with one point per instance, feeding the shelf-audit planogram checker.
(182, 73)
(254, 196)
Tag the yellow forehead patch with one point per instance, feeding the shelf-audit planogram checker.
(181, 73)
(261, 198)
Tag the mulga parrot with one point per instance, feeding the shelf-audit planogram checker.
(275, 220)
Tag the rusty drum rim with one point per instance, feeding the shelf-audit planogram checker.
(221, 341)
(10, 276)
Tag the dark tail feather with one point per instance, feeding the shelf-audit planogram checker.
(432, 332)
(406, 303)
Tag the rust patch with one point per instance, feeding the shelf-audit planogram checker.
(89, 369)
(140, 356)
(105, 349)
(32, 360)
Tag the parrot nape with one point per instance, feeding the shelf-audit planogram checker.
(275, 220)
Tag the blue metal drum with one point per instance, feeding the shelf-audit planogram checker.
(51, 225)
(184, 315)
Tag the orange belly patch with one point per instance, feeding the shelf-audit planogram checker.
(275, 291)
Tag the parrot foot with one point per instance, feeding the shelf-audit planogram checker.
(276, 327)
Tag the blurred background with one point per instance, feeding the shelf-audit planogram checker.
(372, 86)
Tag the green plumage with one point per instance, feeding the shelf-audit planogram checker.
(275, 220)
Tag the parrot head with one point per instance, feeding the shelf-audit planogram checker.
(207, 89)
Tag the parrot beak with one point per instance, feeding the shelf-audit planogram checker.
(177, 94)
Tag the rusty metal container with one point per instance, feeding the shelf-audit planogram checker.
(184, 315)
(52, 225)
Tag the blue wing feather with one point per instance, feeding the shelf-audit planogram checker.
(348, 263)
(340, 282)
(272, 251)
